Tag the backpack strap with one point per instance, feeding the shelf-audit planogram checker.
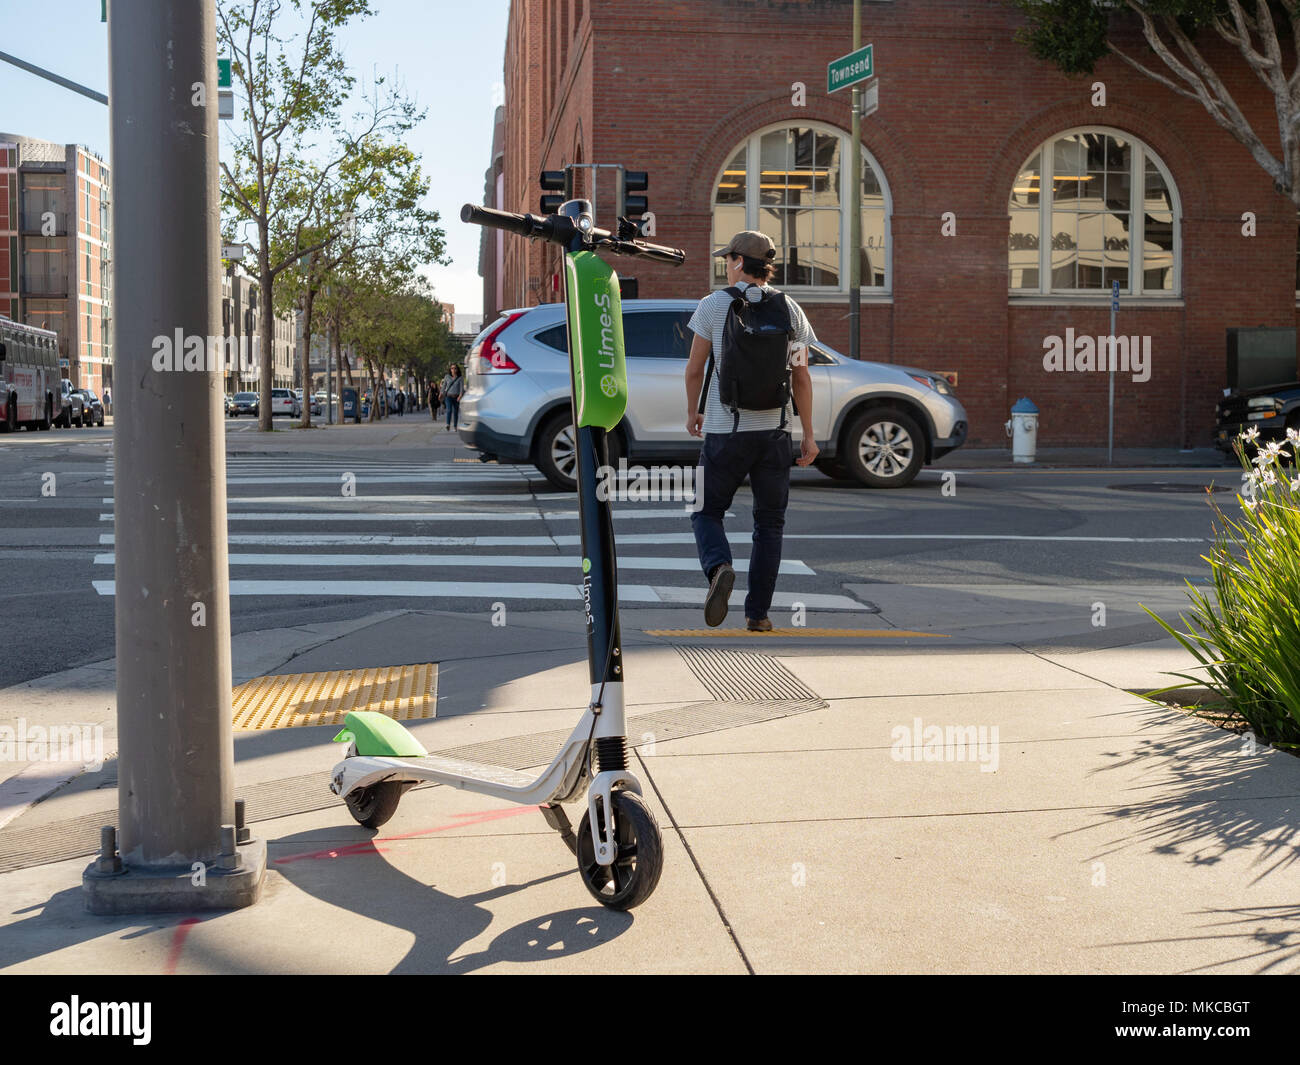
(737, 296)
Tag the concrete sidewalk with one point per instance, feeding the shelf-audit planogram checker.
(1054, 822)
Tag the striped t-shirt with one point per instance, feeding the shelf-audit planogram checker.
(708, 321)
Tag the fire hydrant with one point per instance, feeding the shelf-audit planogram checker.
(1023, 430)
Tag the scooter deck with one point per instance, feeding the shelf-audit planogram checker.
(465, 770)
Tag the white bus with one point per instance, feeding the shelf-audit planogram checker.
(29, 376)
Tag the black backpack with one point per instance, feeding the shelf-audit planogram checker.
(753, 369)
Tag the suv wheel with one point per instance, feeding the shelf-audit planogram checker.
(884, 448)
(557, 454)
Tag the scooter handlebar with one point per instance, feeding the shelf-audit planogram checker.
(526, 225)
(556, 229)
(660, 253)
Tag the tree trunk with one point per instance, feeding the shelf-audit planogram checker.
(266, 331)
(374, 391)
(306, 358)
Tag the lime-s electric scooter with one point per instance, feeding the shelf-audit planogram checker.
(618, 845)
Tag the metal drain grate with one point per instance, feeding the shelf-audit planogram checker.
(764, 691)
(742, 675)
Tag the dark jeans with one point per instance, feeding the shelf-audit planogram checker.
(727, 458)
(453, 412)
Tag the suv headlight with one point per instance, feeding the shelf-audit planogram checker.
(1264, 401)
(939, 384)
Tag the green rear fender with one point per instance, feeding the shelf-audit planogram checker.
(378, 734)
(596, 337)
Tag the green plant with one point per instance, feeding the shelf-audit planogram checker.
(1247, 639)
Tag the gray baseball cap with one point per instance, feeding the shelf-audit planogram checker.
(751, 243)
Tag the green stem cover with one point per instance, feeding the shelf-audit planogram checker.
(596, 340)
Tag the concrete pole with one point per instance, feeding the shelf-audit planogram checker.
(855, 204)
(176, 844)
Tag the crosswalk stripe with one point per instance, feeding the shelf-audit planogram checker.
(393, 540)
(496, 590)
(790, 566)
(461, 497)
(486, 515)
(371, 478)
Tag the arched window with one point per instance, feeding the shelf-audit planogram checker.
(785, 181)
(1109, 210)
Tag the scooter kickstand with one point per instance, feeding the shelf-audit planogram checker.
(559, 820)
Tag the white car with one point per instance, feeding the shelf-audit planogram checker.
(283, 401)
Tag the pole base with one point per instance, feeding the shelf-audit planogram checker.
(177, 888)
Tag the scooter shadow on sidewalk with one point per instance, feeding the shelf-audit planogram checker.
(440, 923)
(312, 862)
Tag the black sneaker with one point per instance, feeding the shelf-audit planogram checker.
(715, 603)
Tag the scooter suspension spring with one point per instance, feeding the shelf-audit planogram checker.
(611, 752)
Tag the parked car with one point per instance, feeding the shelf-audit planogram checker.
(283, 401)
(93, 407)
(876, 423)
(1271, 409)
(243, 403)
(73, 406)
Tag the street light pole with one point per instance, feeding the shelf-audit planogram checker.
(855, 203)
(177, 845)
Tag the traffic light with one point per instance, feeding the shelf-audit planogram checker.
(555, 181)
(630, 206)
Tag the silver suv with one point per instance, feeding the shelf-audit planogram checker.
(875, 422)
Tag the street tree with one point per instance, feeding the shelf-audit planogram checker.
(1263, 36)
(377, 193)
(294, 85)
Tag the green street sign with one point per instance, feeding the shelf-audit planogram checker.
(849, 69)
(223, 73)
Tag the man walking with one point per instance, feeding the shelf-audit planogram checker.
(751, 345)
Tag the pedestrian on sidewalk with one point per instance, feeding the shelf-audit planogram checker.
(435, 401)
(401, 403)
(453, 388)
(749, 357)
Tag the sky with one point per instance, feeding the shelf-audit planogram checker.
(447, 52)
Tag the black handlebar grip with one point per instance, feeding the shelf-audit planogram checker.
(486, 216)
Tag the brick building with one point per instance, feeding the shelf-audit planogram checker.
(1000, 197)
(55, 251)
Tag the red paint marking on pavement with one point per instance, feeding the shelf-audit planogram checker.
(352, 850)
(471, 818)
(368, 847)
(178, 944)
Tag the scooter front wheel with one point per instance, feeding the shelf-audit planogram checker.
(631, 879)
(375, 805)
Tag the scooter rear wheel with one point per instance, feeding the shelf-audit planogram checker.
(635, 872)
(375, 805)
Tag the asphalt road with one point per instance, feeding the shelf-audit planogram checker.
(431, 528)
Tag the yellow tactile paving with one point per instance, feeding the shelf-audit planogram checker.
(402, 692)
(857, 633)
